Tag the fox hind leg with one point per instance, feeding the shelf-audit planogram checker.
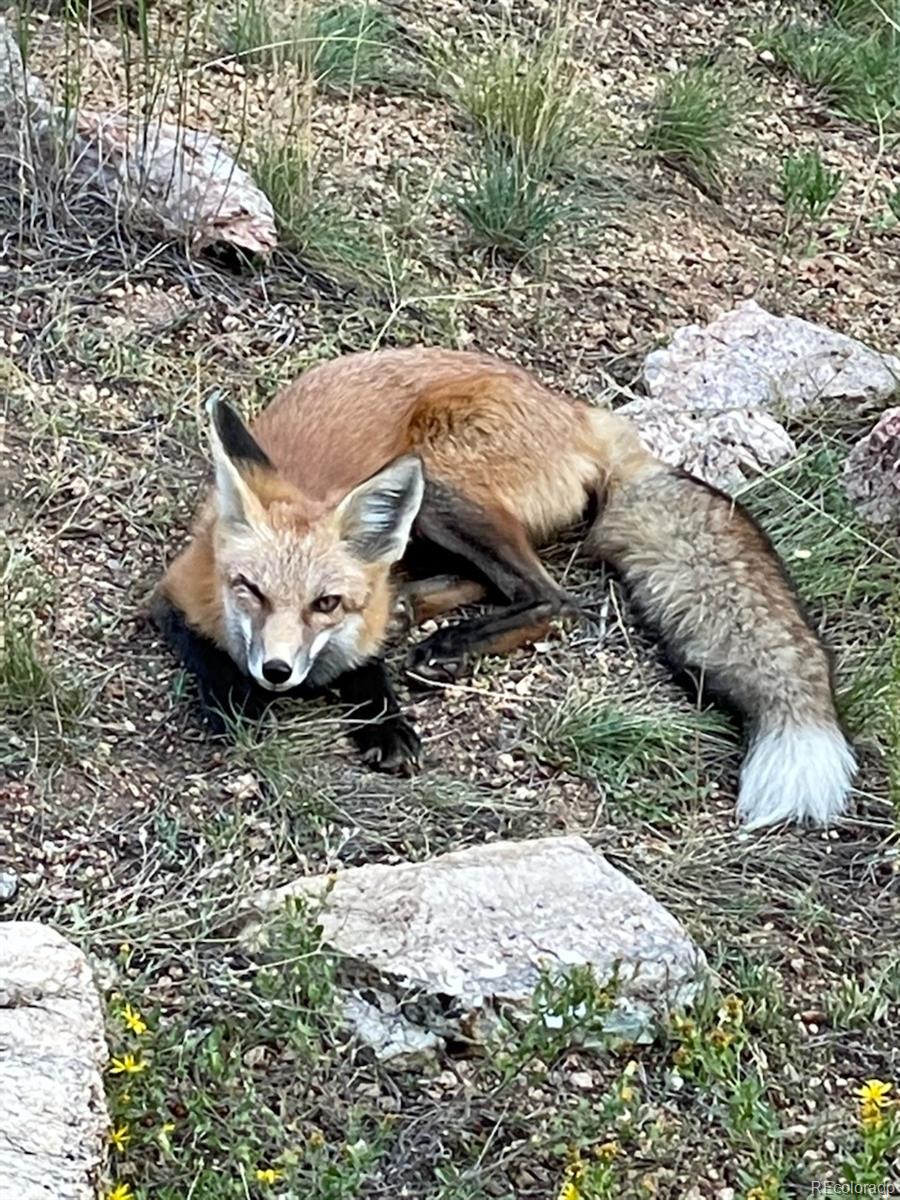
(425, 599)
(496, 544)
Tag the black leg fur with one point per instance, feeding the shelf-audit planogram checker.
(452, 647)
(384, 736)
(495, 543)
(497, 546)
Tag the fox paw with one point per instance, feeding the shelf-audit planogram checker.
(391, 745)
(440, 658)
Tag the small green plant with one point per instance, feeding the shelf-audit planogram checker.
(878, 1136)
(857, 1004)
(509, 209)
(817, 57)
(825, 545)
(202, 1096)
(569, 1009)
(593, 1177)
(892, 732)
(532, 124)
(310, 223)
(710, 1044)
(254, 36)
(335, 46)
(26, 681)
(808, 187)
(612, 741)
(343, 45)
(714, 1051)
(874, 15)
(531, 104)
(693, 124)
(853, 63)
(33, 690)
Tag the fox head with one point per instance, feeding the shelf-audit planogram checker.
(296, 575)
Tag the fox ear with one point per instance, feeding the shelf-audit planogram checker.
(236, 455)
(376, 517)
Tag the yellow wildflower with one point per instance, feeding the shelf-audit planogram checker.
(572, 1177)
(874, 1092)
(268, 1175)
(168, 1127)
(127, 1065)
(120, 1192)
(607, 1151)
(316, 1139)
(119, 1137)
(133, 1020)
(626, 1091)
(570, 1191)
(769, 1189)
(721, 1038)
(732, 1010)
(871, 1118)
(873, 1099)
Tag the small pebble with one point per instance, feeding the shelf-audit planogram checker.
(9, 885)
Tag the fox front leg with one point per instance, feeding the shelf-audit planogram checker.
(385, 737)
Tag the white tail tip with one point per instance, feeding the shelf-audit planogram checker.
(796, 773)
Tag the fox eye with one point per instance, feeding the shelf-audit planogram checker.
(241, 581)
(325, 604)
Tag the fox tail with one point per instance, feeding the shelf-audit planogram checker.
(705, 576)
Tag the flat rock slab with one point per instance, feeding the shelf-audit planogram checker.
(479, 927)
(716, 394)
(53, 1117)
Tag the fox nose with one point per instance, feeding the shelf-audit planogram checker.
(276, 670)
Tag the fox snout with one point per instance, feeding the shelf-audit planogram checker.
(278, 664)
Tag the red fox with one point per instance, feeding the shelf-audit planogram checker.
(466, 463)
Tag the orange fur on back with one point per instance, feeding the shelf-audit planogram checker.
(484, 427)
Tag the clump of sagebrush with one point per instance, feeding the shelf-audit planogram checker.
(693, 124)
(808, 186)
(532, 124)
(852, 59)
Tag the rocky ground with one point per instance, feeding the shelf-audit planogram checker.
(138, 835)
